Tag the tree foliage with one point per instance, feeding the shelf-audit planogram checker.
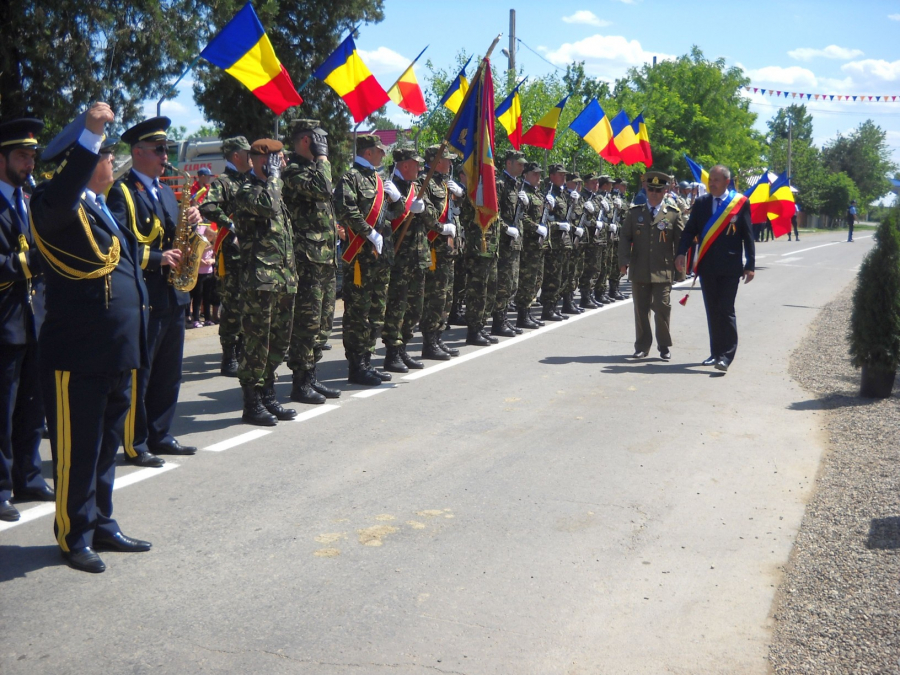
(863, 155)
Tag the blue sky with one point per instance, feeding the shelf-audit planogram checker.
(795, 45)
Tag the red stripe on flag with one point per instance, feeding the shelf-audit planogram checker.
(279, 93)
(365, 99)
(539, 137)
(413, 101)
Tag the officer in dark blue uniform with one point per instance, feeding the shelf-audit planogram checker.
(21, 313)
(149, 210)
(93, 339)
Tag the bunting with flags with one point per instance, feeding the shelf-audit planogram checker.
(855, 98)
(543, 133)
(345, 72)
(593, 126)
(509, 112)
(456, 92)
(407, 93)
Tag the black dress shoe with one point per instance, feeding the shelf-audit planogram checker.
(665, 355)
(722, 364)
(84, 559)
(146, 459)
(710, 361)
(39, 494)
(122, 543)
(173, 448)
(639, 355)
(8, 512)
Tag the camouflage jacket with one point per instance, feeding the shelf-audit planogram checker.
(264, 232)
(219, 208)
(307, 195)
(617, 215)
(576, 219)
(531, 218)
(438, 194)
(414, 249)
(600, 226)
(558, 238)
(508, 200)
(353, 198)
(474, 233)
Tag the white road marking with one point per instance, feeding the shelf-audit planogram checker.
(315, 412)
(374, 391)
(237, 440)
(786, 260)
(834, 243)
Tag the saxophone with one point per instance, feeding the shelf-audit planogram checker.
(192, 245)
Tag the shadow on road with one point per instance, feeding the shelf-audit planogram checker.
(619, 363)
(17, 561)
(832, 401)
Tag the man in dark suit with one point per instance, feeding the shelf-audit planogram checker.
(721, 266)
(93, 339)
(149, 210)
(21, 313)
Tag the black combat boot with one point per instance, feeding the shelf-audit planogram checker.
(409, 361)
(515, 329)
(499, 327)
(357, 372)
(229, 361)
(392, 360)
(569, 304)
(614, 291)
(452, 351)
(302, 390)
(524, 320)
(486, 334)
(550, 314)
(430, 349)
(326, 391)
(457, 317)
(380, 374)
(535, 319)
(254, 411)
(267, 396)
(587, 302)
(474, 337)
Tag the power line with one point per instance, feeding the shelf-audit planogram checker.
(542, 58)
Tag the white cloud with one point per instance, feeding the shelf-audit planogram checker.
(585, 17)
(830, 52)
(383, 60)
(604, 55)
(792, 76)
(870, 72)
(894, 17)
(173, 108)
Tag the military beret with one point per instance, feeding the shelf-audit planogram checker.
(514, 156)
(405, 152)
(366, 141)
(234, 144)
(20, 133)
(148, 131)
(266, 146)
(656, 179)
(572, 176)
(301, 125)
(432, 150)
(531, 167)
(556, 168)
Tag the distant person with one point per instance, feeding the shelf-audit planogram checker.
(851, 219)
(794, 225)
(200, 188)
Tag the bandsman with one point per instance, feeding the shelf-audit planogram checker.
(534, 245)
(512, 200)
(559, 243)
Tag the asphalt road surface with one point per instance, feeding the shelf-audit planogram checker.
(545, 505)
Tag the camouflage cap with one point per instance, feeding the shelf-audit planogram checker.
(514, 156)
(618, 181)
(656, 179)
(366, 141)
(604, 179)
(266, 146)
(593, 175)
(405, 152)
(300, 125)
(234, 144)
(572, 176)
(556, 168)
(531, 167)
(432, 150)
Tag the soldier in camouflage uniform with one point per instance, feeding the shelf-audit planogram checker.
(619, 206)
(218, 208)
(574, 259)
(480, 254)
(510, 199)
(367, 258)
(268, 284)
(460, 269)
(560, 243)
(534, 243)
(308, 196)
(595, 239)
(407, 284)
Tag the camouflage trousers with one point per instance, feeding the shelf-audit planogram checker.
(438, 293)
(614, 274)
(266, 320)
(364, 305)
(311, 314)
(507, 277)
(481, 289)
(572, 270)
(600, 283)
(531, 270)
(404, 302)
(554, 262)
(329, 298)
(460, 278)
(593, 265)
(230, 307)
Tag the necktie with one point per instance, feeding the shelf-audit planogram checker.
(652, 212)
(21, 210)
(718, 203)
(101, 202)
(155, 190)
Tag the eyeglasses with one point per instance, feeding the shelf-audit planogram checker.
(655, 189)
(159, 149)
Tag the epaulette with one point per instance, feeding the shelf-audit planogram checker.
(637, 206)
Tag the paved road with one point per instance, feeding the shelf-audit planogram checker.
(541, 506)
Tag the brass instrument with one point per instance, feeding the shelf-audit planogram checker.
(183, 276)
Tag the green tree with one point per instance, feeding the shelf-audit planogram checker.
(863, 155)
(204, 131)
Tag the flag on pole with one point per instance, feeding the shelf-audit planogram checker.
(473, 136)
(407, 93)
(345, 72)
(593, 126)
(457, 90)
(781, 205)
(626, 140)
(510, 115)
(243, 50)
(640, 130)
(758, 195)
(542, 134)
(701, 175)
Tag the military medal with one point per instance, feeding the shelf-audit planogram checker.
(662, 230)
(733, 226)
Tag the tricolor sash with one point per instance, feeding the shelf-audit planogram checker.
(434, 234)
(354, 241)
(720, 220)
(397, 222)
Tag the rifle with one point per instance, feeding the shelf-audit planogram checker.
(584, 215)
(520, 207)
(545, 214)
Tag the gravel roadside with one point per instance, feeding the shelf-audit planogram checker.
(838, 607)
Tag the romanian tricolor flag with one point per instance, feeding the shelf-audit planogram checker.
(457, 90)
(541, 135)
(593, 126)
(346, 73)
(473, 136)
(626, 140)
(407, 93)
(640, 130)
(759, 199)
(510, 115)
(781, 205)
(701, 175)
(243, 50)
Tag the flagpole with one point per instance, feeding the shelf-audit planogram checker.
(312, 77)
(407, 68)
(175, 84)
(440, 153)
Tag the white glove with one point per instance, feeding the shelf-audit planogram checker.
(601, 226)
(391, 190)
(542, 231)
(454, 187)
(574, 195)
(589, 207)
(449, 230)
(512, 232)
(613, 228)
(579, 232)
(376, 239)
(551, 200)
(562, 227)
(523, 196)
(417, 206)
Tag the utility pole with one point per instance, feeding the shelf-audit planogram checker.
(512, 47)
(790, 139)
